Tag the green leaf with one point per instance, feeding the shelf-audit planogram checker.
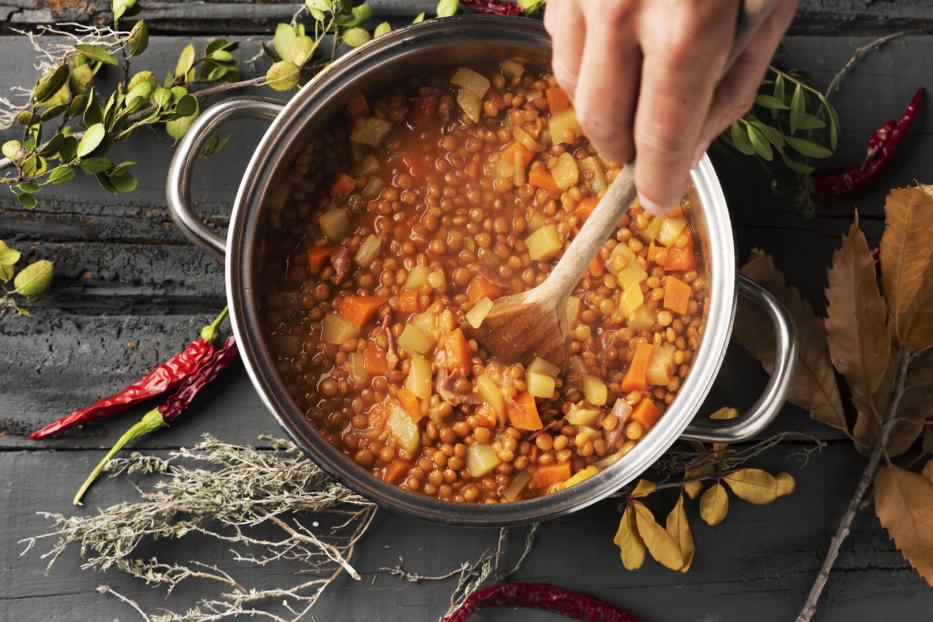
(798, 167)
(26, 118)
(759, 142)
(213, 145)
(93, 136)
(216, 45)
(186, 106)
(185, 62)
(139, 38)
(318, 8)
(33, 166)
(50, 83)
(92, 166)
(96, 52)
(177, 128)
(162, 97)
(27, 187)
(8, 258)
(11, 149)
(530, 7)
(34, 279)
(778, 92)
(121, 7)
(833, 123)
(221, 56)
(285, 42)
(120, 168)
(283, 75)
(61, 174)
(740, 141)
(808, 148)
(382, 29)
(798, 104)
(68, 150)
(138, 94)
(771, 103)
(52, 112)
(26, 200)
(774, 135)
(143, 77)
(811, 122)
(355, 37)
(178, 92)
(357, 16)
(105, 183)
(447, 8)
(81, 77)
(124, 182)
(418, 18)
(52, 146)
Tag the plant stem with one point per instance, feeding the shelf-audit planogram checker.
(868, 476)
(857, 56)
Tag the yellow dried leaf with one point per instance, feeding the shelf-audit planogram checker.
(914, 407)
(907, 265)
(785, 483)
(642, 489)
(724, 414)
(693, 489)
(928, 471)
(658, 542)
(814, 385)
(631, 546)
(904, 505)
(679, 529)
(714, 504)
(859, 340)
(753, 485)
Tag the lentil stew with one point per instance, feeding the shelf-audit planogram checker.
(395, 228)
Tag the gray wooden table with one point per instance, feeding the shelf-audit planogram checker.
(129, 291)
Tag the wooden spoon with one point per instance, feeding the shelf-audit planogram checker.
(534, 323)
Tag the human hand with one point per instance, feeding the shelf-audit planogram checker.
(644, 76)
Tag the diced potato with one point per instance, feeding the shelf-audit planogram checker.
(418, 277)
(337, 330)
(370, 131)
(615, 266)
(335, 224)
(470, 103)
(543, 243)
(573, 310)
(511, 68)
(642, 319)
(661, 365)
(405, 431)
(594, 390)
(414, 341)
(516, 486)
(481, 459)
(576, 478)
(594, 172)
(427, 323)
(632, 299)
(470, 80)
(358, 373)
(540, 385)
(582, 416)
(632, 275)
(536, 221)
(584, 433)
(437, 280)
(670, 230)
(368, 251)
(559, 123)
(446, 321)
(525, 139)
(649, 233)
(373, 187)
(541, 366)
(419, 377)
(478, 313)
(367, 165)
(565, 172)
(491, 394)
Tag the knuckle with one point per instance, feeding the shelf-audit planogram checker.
(661, 144)
(615, 12)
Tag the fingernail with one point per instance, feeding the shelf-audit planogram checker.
(651, 207)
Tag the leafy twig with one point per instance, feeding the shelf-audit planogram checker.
(857, 57)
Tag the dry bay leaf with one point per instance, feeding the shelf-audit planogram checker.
(786, 484)
(858, 337)
(814, 385)
(904, 505)
(693, 489)
(631, 546)
(679, 529)
(907, 265)
(915, 406)
(642, 489)
(659, 543)
(714, 504)
(753, 485)
(724, 414)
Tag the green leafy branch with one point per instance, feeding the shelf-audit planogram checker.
(28, 284)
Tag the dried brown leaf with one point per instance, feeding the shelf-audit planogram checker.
(659, 543)
(859, 340)
(904, 505)
(714, 504)
(786, 484)
(753, 485)
(631, 546)
(679, 529)
(915, 406)
(643, 488)
(724, 414)
(907, 265)
(693, 489)
(814, 385)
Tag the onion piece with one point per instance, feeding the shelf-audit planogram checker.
(525, 139)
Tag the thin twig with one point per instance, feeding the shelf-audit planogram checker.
(857, 57)
(106, 589)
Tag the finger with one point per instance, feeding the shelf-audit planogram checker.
(685, 48)
(563, 19)
(736, 92)
(607, 86)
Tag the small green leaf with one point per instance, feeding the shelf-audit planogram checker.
(27, 187)
(52, 112)
(774, 135)
(759, 142)
(833, 123)
(283, 75)
(34, 279)
(139, 38)
(143, 77)
(68, 150)
(162, 97)
(357, 16)
(81, 77)
(104, 182)
(121, 8)
(318, 8)
(138, 94)
(771, 103)
(185, 107)
(92, 166)
(797, 167)
(178, 92)
(222, 56)
(213, 145)
(124, 182)
(8, 258)
(120, 168)
(26, 118)
(447, 8)
(798, 106)
(11, 149)
(382, 29)
(26, 200)
(740, 139)
(778, 92)
(285, 42)
(217, 44)
(96, 52)
(50, 83)
(418, 18)
(355, 37)
(808, 148)
(177, 128)
(811, 122)
(52, 146)
(185, 62)
(61, 174)
(93, 136)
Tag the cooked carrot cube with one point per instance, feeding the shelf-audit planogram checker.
(395, 471)
(358, 310)
(547, 475)
(481, 287)
(557, 100)
(596, 267)
(636, 378)
(681, 258)
(539, 177)
(408, 301)
(343, 186)
(646, 413)
(676, 295)
(457, 352)
(410, 403)
(585, 207)
(375, 361)
(317, 256)
(524, 155)
(525, 415)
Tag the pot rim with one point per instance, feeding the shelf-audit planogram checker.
(718, 251)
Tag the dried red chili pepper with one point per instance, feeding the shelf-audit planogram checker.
(881, 147)
(543, 596)
(174, 406)
(163, 378)
(496, 7)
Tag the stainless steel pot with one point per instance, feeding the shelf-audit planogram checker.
(467, 40)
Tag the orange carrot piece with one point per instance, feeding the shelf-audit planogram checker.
(557, 100)
(395, 471)
(525, 415)
(585, 207)
(481, 287)
(317, 256)
(596, 267)
(636, 378)
(408, 301)
(375, 361)
(378, 415)
(457, 352)
(676, 295)
(410, 403)
(357, 107)
(343, 186)
(681, 258)
(549, 474)
(539, 177)
(524, 154)
(358, 310)
(646, 413)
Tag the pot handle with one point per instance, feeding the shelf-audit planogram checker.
(178, 186)
(769, 404)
